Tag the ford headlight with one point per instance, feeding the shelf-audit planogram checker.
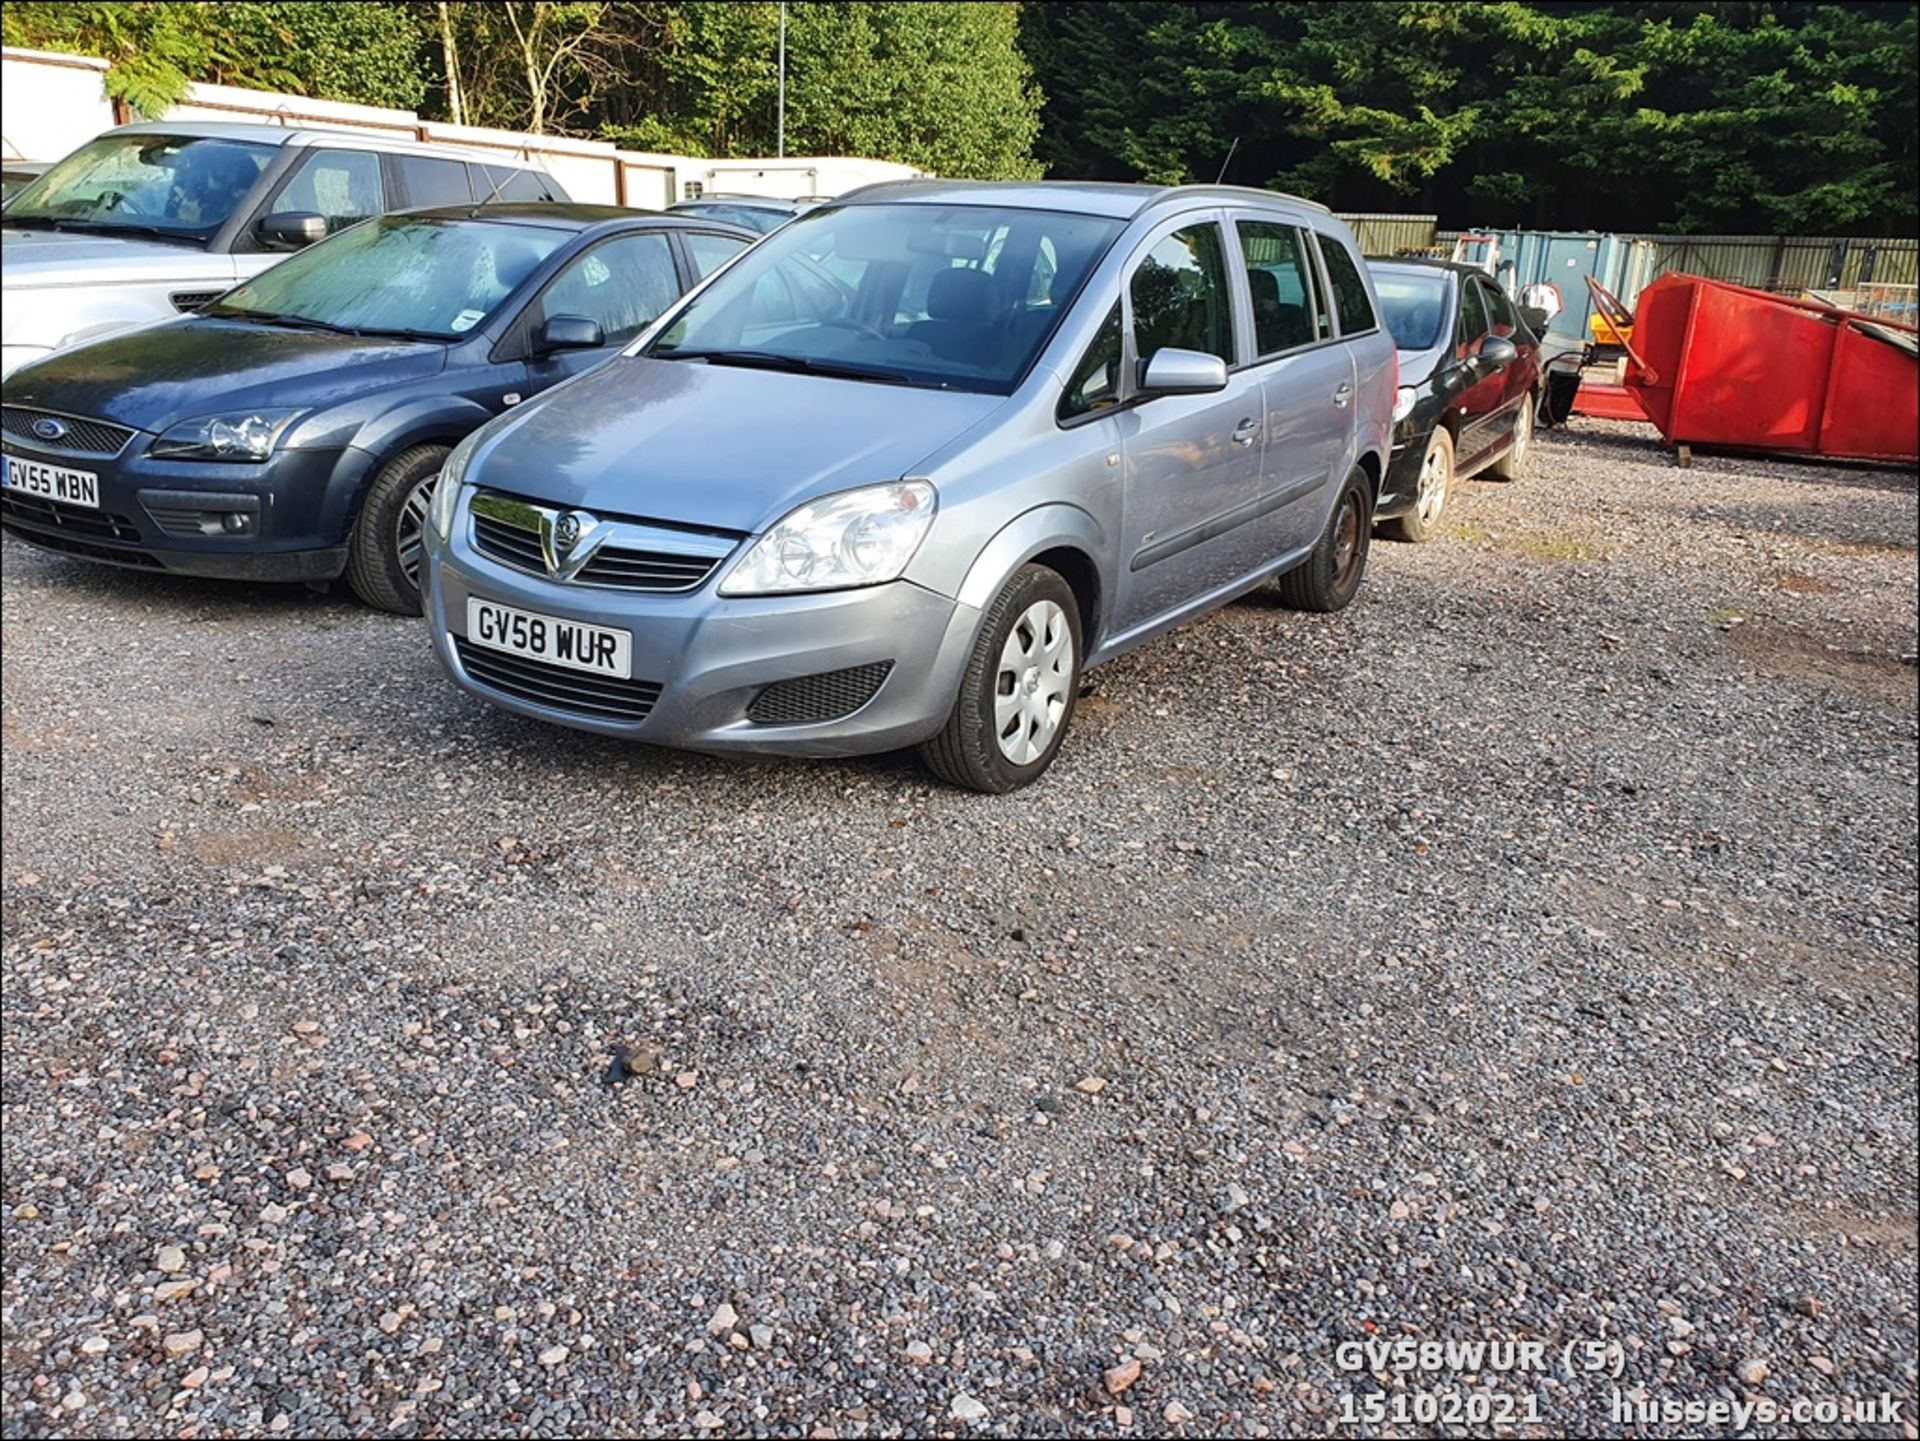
(1403, 400)
(859, 537)
(244, 435)
(446, 490)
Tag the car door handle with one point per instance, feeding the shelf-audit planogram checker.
(1244, 432)
(1342, 394)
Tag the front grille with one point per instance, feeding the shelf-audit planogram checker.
(640, 555)
(35, 511)
(82, 437)
(66, 545)
(560, 687)
(815, 698)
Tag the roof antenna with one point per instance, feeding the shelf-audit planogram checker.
(1228, 161)
(487, 170)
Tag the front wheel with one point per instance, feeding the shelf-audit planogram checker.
(383, 557)
(1329, 577)
(1436, 483)
(1016, 698)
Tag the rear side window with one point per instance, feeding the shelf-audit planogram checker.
(1350, 299)
(1180, 296)
(1281, 281)
(709, 251)
(500, 182)
(1096, 383)
(427, 181)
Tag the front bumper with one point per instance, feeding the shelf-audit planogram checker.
(1400, 487)
(171, 515)
(712, 656)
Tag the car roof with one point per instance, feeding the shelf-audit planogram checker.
(559, 215)
(763, 202)
(317, 135)
(1420, 262)
(1115, 199)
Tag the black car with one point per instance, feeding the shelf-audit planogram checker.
(756, 212)
(1469, 378)
(293, 429)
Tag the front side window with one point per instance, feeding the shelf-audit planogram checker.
(1281, 281)
(1180, 296)
(343, 185)
(1350, 301)
(398, 275)
(1500, 316)
(166, 185)
(1473, 315)
(500, 182)
(1096, 381)
(945, 296)
(624, 284)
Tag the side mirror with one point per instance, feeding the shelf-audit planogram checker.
(567, 332)
(293, 229)
(1497, 351)
(1184, 372)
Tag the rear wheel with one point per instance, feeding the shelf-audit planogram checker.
(1017, 696)
(1509, 465)
(383, 557)
(1329, 577)
(1436, 484)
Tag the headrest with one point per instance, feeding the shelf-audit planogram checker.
(963, 295)
(1265, 286)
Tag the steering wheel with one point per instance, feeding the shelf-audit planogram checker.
(846, 322)
(123, 204)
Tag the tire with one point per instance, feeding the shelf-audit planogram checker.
(997, 740)
(1422, 523)
(1514, 459)
(1329, 578)
(383, 556)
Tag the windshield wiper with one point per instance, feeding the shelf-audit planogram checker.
(268, 317)
(799, 364)
(68, 225)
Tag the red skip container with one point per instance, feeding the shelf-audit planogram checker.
(1722, 366)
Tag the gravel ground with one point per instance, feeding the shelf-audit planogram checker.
(1526, 954)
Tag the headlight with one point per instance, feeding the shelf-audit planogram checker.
(859, 537)
(245, 435)
(446, 490)
(1403, 399)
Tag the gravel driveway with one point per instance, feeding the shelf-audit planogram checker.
(1526, 954)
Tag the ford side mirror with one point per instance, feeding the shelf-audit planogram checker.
(567, 332)
(1184, 372)
(293, 229)
(1497, 351)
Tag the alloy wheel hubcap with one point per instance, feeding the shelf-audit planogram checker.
(1033, 682)
(1433, 486)
(407, 527)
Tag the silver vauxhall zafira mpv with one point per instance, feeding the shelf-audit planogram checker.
(905, 469)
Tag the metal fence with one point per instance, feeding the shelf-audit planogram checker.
(1392, 234)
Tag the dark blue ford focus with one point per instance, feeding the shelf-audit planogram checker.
(294, 428)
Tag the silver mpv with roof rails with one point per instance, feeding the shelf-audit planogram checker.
(909, 466)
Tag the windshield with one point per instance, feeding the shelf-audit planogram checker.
(754, 217)
(1415, 306)
(165, 185)
(400, 275)
(959, 296)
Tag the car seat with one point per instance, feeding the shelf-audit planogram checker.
(962, 311)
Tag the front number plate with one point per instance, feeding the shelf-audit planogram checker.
(55, 482)
(596, 649)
